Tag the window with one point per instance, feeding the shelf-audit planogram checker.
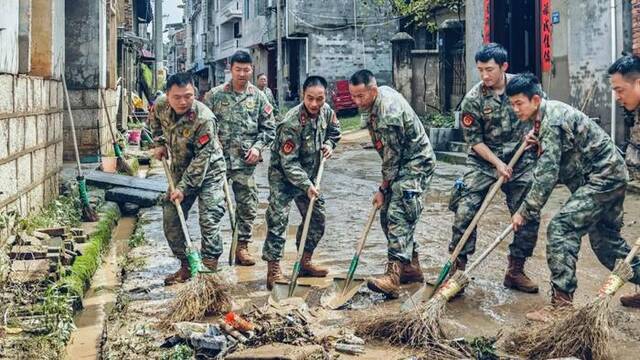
(237, 33)
(245, 9)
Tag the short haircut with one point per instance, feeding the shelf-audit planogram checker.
(492, 51)
(628, 66)
(362, 77)
(525, 83)
(242, 57)
(180, 79)
(261, 74)
(314, 80)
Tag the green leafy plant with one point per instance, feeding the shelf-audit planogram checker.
(423, 12)
(180, 352)
(439, 120)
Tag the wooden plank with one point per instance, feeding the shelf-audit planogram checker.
(9, 20)
(41, 36)
(105, 180)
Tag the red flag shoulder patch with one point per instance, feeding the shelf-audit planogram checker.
(467, 120)
(379, 145)
(268, 109)
(203, 139)
(288, 147)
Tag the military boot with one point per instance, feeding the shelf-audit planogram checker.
(411, 273)
(631, 300)
(559, 300)
(515, 277)
(243, 257)
(307, 269)
(211, 264)
(389, 283)
(183, 274)
(274, 273)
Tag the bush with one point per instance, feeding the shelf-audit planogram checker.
(438, 120)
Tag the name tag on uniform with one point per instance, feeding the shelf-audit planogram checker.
(487, 111)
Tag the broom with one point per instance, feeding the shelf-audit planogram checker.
(88, 212)
(421, 328)
(205, 293)
(122, 165)
(581, 332)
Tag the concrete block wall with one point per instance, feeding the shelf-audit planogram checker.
(91, 122)
(31, 142)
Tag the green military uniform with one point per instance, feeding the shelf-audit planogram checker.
(488, 118)
(295, 157)
(408, 162)
(272, 100)
(245, 120)
(578, 153)
(197, 168)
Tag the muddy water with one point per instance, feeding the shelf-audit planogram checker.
(85, 340)
(350, 179)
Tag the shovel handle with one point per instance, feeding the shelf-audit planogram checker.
(172, 187)
(485, 204)
(307, 218)
(365, 232)
(232, 220)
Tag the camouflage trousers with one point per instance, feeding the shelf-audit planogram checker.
(245, 193)
(399, 216)
(466, 199)
(277, 217)
(210, 211)
(594, 211)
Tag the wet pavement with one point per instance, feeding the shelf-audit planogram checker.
(350, 179)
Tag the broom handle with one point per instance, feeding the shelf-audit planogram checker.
(485, 204)
(172, 187)
(633, 252)
(73, 126)
(491, 247)
(104, 103)
(307, 218)
(365, 232)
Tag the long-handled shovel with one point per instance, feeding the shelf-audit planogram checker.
(278, 291)
(122, 164)
(583, 332)
(347, 287)
(233, 221)
(205, 293)
(88, 213)
(419, 295)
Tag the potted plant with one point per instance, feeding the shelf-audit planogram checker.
(109, 161)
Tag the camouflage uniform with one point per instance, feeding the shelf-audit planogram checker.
(295, 157)
(197, 168)
(245, 120)
(408, 162)
(579, 154)
(488, 118)
(272, 100)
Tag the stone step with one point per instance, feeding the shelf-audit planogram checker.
(458, 146)
(452, 157)
(142, 198)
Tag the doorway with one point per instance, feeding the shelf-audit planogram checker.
(515, 25)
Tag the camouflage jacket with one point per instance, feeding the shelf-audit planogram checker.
(295, 153)
(399, 137)
(244, 121)
(575, 151)
(195, 151)
(488, 118)
(272, 100)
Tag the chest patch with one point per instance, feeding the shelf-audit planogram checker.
(186, 132)
(288, 146)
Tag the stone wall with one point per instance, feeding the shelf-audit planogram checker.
(31, 142)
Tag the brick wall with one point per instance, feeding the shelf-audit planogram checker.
(30, 141)
(635, 26)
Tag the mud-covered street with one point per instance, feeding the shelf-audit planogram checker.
(350, 179)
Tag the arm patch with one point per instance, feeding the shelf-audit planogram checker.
(467, 119)
(203, 139)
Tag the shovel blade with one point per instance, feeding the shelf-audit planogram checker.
(280, 291)
(417, 298)
(341, 295)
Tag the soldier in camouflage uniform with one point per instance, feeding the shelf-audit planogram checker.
(246, 128)
(408, 162)
(625, 80)
(262, 85)
(307, 132)
(187, 128)
(576, 152)
(493, 134)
